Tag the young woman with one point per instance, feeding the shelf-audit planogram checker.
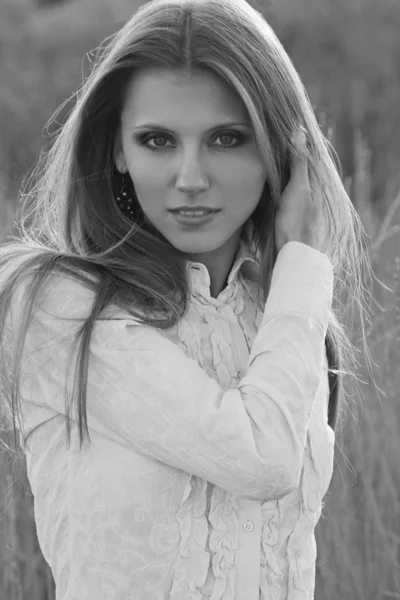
(172, 358)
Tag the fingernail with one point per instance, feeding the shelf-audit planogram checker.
(303, 134)
(299, 137)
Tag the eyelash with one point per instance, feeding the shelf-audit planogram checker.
(143, 141)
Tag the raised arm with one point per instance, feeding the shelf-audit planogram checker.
(144, 392)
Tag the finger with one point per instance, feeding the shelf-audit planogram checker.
(298, 158)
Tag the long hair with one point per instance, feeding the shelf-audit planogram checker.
(69, 222)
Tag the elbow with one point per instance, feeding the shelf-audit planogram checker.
(273, 481)
(290, 480)
(282, 481)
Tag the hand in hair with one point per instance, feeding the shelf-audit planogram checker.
(299, 212)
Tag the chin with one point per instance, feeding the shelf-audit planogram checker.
(196, 246)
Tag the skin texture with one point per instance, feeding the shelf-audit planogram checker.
(194, 166)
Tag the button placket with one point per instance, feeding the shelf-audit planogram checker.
(248, 553)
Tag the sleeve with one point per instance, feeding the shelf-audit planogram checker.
(144, 392)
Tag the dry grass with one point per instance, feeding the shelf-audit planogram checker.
(358, 535)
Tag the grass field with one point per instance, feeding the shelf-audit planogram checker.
(358, 536)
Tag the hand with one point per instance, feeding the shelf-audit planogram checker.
(299, 212)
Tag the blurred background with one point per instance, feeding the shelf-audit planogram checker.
(348, 55)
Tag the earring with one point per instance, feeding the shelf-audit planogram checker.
(125, 202)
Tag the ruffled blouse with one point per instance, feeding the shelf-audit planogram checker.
(210, 448)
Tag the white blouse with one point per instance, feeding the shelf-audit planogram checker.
(210, 448)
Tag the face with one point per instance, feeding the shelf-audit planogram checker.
(188, 141)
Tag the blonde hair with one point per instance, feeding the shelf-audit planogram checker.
(69, 222)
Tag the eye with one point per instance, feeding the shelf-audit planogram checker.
(144, 141)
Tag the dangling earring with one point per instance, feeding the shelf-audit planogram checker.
(124, 201)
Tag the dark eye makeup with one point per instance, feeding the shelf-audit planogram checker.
(143, 138)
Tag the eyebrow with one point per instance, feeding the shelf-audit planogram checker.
(220, 126)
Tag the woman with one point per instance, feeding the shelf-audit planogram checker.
(168, 372)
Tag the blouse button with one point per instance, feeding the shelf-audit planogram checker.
(248, 526)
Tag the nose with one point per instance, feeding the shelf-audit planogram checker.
(191, 176)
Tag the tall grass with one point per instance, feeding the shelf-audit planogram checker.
(358, 536)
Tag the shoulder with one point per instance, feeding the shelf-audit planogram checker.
(65, 295)
(61, 295)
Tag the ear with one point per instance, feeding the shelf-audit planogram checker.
(119, 157)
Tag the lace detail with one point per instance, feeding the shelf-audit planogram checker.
(193, 560)
(271, 576)
(223, 542)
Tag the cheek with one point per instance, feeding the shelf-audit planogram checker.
(241, 208)
(148, 182)
(143, 172)
(248, 182)
(246, 192)
(141, 165)
(245, 172)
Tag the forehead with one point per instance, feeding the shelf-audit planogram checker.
(171, 97)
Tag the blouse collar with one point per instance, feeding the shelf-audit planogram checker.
(245, 261)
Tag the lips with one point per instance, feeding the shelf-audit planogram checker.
(192, 219)
(193, 210)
